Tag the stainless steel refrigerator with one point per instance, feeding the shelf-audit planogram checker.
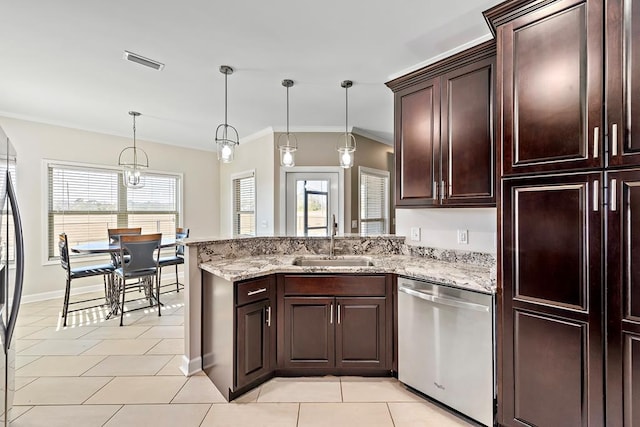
(11, 273)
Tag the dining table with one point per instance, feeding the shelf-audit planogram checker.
(105, 247)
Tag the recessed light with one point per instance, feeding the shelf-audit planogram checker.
(139, 59)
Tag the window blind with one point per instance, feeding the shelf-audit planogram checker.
(85, 201)
(244, 202)
(374, 202)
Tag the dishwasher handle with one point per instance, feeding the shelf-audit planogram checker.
(444, 301)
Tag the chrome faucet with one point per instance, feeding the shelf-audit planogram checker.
(334, 230)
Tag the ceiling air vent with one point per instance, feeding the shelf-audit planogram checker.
(139, 59)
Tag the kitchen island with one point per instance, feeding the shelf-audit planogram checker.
(221, 265)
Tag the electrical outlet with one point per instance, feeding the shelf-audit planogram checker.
(463, 237)
(415, 234)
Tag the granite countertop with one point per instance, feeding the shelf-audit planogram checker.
(462, 275)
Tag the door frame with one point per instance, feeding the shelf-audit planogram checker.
(310, 169)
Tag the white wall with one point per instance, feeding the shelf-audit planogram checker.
(36, 141)
(439, 227)
(255, 154)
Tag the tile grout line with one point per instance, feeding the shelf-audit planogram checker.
(112, 415)
(95, 392)
(393, 423)
(298, 417)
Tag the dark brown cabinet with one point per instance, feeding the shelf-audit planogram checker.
(623, 294)
(335, 324)
(361, 332)
(552, 363)
(444, 132)
(566, 231)
(255, 330)
(309, 333)
(623, 82)
(551, 86)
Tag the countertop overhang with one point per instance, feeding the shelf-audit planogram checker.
(462, 275)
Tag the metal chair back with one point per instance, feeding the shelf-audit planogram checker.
(181, 233)
(63, 248)
(143, 251)
(114, 239)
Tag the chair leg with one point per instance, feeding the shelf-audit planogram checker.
(177, 283)
(158, 295)
(122, 289)
(149, 286)
(65, 304)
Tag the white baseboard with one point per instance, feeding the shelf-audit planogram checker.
(191, 367)
(59, 294)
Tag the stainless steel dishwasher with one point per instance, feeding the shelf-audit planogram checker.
(446, 346)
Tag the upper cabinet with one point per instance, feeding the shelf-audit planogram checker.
(550, 89)
(623, 82)
(444, 132)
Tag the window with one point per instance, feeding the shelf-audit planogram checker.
(244, 204)
(84, 201)
(374, 201)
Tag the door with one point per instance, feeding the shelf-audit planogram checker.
(361, 339)
(468, 166)
(417, 144)
(309, 332)
(623, 293)
(551, 62)
(623, 81)
(312, 198)
(253, 340)
(552, 305)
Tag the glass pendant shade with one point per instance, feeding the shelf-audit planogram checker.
(346, 150)
(346, 145)
(225, 143)
(133, 161)
(287, 142)
(226, 135)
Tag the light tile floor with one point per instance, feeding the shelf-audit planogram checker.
(94, 373)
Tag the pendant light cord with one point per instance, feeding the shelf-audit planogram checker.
(225, 98)
(346, 110)
(135, 150)
(287, 111)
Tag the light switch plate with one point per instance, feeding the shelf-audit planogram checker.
(463, 237)
(354, 223)
(415, 234)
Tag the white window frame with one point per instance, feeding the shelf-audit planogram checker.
(240, 175)
(381, 173)
(46, 163)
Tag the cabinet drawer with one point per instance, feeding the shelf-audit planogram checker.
(335, 285)
(254, 290)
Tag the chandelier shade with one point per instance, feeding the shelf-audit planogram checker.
(346, 145)
(226, 135)
(133, 161)
(287, 142)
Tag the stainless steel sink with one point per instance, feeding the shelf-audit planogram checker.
(333, 262)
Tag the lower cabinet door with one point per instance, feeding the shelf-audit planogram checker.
(253, 340)
(551, 308)
(309, 332)
(361, 336)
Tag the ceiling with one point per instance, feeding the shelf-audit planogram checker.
(62, 62)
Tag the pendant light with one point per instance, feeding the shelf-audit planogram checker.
(287, 142)
(226, 135)
(346, 144)
(133, 161)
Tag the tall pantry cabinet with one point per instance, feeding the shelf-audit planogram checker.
(569, 210)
